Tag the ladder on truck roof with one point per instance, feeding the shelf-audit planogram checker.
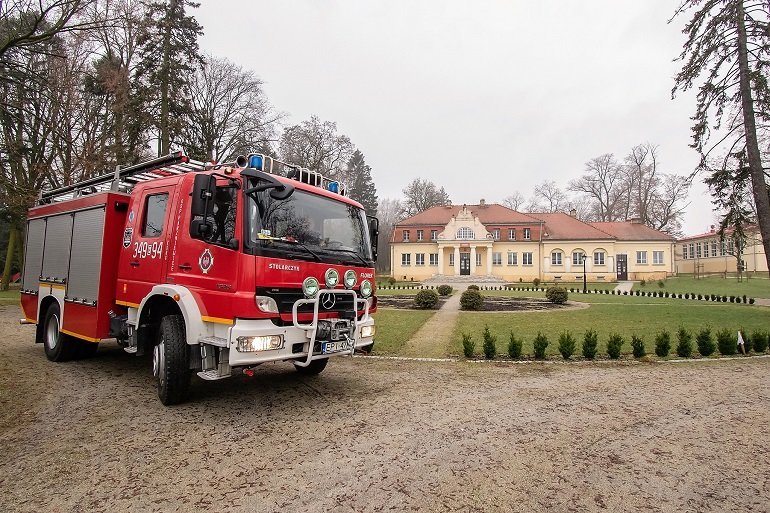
(124, 179)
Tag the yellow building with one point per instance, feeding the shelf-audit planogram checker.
(497, 243)
(707, 253)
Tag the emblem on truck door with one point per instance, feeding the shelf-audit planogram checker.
(127, 235)
(206, 261)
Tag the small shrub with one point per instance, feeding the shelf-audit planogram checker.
(471, 300)
(514, 347)
(392, 281)
(469, 346)
(556, 295)
(490, 344)
(663, 344)
(540, 343)
(590, 344)
(472, 287)
(444, 290)
(637, 344)
(684, 346)
(705, 342)
(751, 300)
(727, 342)
(614, 345)
(759, 341)
(566, 345)
(426, 299)
(661, 284)
(536, 282)
(643, 283)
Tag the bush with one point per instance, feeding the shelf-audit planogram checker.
(705, 342)
(661, 284)
(663, 344)
(536, 282)
(490, 344)
(540, 343)
(643, 283)
(514, 347)
(614, 345)
(469, 346)
(637, 344)
(392, 281)
(426, 299)
(471, 300)
(444, 290)
(590, 344)
(759, 341)
(566, 345)
(684, 347)
(472, 287)
(726, 342)
(556, 295)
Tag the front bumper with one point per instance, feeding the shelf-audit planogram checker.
(300, 342)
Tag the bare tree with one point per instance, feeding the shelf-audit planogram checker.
(515, 201)
(547, 197)
(421, 195)
(316, 145)
(602, 183)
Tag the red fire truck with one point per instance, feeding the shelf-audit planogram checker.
(210, 268)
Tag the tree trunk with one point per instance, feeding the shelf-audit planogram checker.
(9, 258)
(758, 185)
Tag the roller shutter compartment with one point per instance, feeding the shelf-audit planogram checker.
(58, 236)
(86, 257)
(33, 255)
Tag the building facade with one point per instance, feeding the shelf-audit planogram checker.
(709, 253)
(493, 241)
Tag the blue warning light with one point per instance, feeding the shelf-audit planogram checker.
(255, 161)
(333, 187)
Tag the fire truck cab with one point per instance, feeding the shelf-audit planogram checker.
(211, 269)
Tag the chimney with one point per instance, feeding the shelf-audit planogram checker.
(573, 212)
(482, 202)
(713, 228)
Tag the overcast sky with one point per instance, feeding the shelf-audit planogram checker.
(482, 97)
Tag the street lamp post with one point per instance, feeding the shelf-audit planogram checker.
(584, 273)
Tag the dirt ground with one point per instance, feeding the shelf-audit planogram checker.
(382, 435)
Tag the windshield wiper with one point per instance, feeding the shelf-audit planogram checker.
(355, 254)
(288, 240)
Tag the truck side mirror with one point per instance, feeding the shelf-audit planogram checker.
(202, 206)
(374, 232)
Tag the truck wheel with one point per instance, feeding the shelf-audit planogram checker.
(315, 367)
(171, 360)
(58, 346)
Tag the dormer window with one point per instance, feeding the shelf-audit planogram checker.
(465, 233)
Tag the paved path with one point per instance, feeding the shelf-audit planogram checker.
(439, 327)
(624, 286)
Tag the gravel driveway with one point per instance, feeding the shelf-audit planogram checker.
(382, 435)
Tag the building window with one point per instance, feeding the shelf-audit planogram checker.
(692, 250)
(714, 248)
(478, 259)
(684, 251)
(526, 258)
(730, 247)
(419, 259)
(406, 235)
(419, 235)
(433, 234)
(657, 257)
(511, 233)
(598, 257)
(526, 234)
(556, 258)
(512, 259)
(451, 259)
(465, 233)
(434, 259)
(496, 234)
(406, 259)
(641, 257)
(698, 251)
(722, 248)
(577, 257)
(497, 259)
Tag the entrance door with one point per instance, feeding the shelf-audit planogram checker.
(465, 264)
(622, 261)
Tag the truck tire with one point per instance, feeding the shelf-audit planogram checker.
(315, 367)
(59, 347)
(171, 360)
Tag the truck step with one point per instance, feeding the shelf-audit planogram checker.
(130, 349)
(213, 341)
(212, 375)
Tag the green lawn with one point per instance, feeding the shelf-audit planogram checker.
(396, 327)
(9, 297)
(754, 287)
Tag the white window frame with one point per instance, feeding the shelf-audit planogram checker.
(684, 252)
(433, 234)
(478, 259)
(579, 259)
(406, 259)
(657, 257)
(511, 233)
(527, 234)
(497, 258)
(420, 235)
(465, 233)
(714, 248)
(641, 258)
(496, 234)
(406, 236)
(433, 258)
(599, 258)
(451, 259)
(419, 259)
(556, 258)
(513, 258)
(526, 258)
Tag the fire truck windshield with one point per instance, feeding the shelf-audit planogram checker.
(308, 226)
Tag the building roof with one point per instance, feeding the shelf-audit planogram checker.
(561, 226)
(632, 231)
(490, 213)
(714, 232)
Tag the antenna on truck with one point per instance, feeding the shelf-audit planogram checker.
(124, 179)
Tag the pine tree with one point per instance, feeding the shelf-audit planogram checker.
(361, 186)
(168, 49)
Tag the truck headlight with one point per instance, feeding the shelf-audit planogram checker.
(332, 278)
(310, 287)
(260, 343)
(350, 279)
(267, 304)
(367, 331)
(366, 288)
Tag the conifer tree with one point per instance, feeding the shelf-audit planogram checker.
(361, 186)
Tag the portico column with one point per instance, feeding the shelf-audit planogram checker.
(489, 260)
(473, 260)
(457, 260)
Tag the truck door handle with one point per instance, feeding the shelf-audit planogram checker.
(135, 263)
(185, 267)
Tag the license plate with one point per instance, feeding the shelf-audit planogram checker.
(336, 347)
